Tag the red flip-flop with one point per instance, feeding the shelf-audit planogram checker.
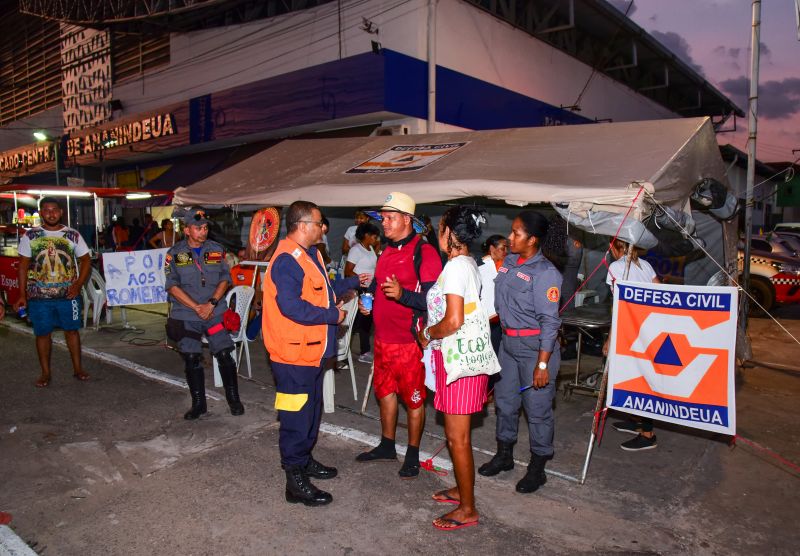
(455, 524)
(444, 498)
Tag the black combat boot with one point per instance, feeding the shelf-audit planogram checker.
(299, 489)
(227, 370)
(503, 460)
(315, 470)
(535, 477)
(197, 386)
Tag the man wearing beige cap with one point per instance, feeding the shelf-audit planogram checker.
(406, 270)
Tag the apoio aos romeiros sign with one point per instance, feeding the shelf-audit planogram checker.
(145, 129)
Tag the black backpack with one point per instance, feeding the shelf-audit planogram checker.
(419, 318)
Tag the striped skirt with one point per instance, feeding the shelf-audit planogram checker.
(462, 397)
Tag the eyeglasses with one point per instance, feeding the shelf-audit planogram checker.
(317, 222)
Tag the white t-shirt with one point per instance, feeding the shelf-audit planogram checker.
(350, 235)
(363, 259)
(53, 260)
(642, 273)
(454, 279)
(487, 272)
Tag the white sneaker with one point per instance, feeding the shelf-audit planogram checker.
(365, 357)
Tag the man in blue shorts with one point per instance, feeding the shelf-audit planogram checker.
(53, 266)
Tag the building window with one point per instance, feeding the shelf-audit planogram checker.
(134, 55)
(30, 65)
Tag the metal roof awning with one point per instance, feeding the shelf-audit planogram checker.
(604, 38)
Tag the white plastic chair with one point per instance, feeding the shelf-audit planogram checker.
(343, 355)
(244, 297)
(95, 295)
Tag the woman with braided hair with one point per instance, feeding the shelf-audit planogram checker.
(454, 294)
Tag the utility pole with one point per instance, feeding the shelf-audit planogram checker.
(752, 126)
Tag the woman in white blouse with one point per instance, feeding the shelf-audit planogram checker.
(495, 249)
(361, 259)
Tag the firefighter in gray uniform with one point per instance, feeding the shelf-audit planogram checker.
(197, 277)
(527, 291)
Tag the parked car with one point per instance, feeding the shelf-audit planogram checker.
(777, 244)
(774, 278)
(793, 227)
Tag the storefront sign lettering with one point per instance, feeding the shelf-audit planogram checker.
(146, 129)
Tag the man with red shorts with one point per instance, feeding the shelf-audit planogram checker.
(399, 291)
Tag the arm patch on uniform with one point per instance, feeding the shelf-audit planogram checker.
(213, 257)
(553, 294)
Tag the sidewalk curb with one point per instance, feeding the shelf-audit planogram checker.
(12, 545)
(120, 362)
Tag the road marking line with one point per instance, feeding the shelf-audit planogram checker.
(12, 545)
(372, 440)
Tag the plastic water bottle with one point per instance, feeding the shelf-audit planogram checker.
(366, 301)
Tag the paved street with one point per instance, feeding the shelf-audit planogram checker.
(110, 467)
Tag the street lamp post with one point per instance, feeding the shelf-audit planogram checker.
(42, 136)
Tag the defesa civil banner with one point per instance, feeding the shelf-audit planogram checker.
(672, 354)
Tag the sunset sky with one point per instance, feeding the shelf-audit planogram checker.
(714, 37)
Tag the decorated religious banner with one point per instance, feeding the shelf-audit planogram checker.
(135, 277)
(672, 354)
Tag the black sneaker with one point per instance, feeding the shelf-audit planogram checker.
(376, 454)
(629, 427)
(639, 443)
(409, 470)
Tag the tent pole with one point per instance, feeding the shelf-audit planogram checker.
(601, 398)
(431, 128)
(752, 125)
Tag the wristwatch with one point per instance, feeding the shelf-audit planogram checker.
(542, 366)
(213, 301)
(426, 333)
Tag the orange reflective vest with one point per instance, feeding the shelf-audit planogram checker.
(287, 341)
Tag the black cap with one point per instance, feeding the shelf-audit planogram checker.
(195, 217)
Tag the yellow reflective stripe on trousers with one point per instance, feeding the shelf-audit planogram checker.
(290, 402)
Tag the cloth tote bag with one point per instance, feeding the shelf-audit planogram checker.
(469, 351)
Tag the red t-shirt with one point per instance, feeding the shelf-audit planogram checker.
(393, 320)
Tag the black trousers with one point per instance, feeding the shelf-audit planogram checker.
(363, 325)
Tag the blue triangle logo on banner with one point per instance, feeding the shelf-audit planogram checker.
(667, 355)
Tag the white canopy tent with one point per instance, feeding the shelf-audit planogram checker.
(597, 166)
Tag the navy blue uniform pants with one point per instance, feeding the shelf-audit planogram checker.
(518, 357)
(299, 405)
